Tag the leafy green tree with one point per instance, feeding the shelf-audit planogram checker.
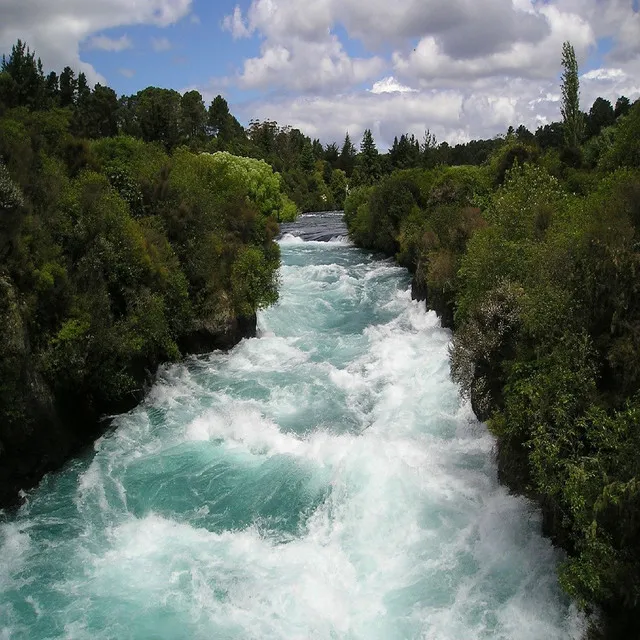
(193, 116)
(318, 149)
(524, 135)
(623, 106)
(429, 150)
(332, 155)
(550, 135)
(625, 151)
(338, 186)
(52, 89)
(220, 123)
(307, 158)
(218, 115)
(405, 153)
(573, 120)
(83, 91)
(158, 112)
(600, 115)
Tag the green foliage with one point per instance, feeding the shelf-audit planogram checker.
(368, 167)
(254, 280)
(556, 369)
(512, 152)
(338, 185)
(10, 194)
(114, 251)
(572, 116)
(625, 151)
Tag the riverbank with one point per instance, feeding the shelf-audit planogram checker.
(538, 284)
(56, 437)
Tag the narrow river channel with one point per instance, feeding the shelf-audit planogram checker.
(323, 480)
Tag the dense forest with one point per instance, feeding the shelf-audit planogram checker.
(533, 257)
(120, 249)
(136, 229)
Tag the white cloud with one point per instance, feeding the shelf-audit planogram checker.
(454, 115)
(127, 73)
(110, 44)
(430, 65)
(56, 29)
(390, 85)
(463, 27)
(462, 68)
(385, 114)
(235, 25)
(161, 44)
(307, 67)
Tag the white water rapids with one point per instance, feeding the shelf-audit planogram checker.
(320, 481)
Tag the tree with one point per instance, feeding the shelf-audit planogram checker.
(83, 89)
(600, 115)
(221, 123)
(524, 135)
(307, 158)
(332, 155)
(429, 150)
(52, 89)
(318, 149)
(405, 153)
(96, 114)
(347, 159)
(550, 135)
(26, 72)
(571, 115)
(68, 87)
(367, 170)
(338, 187)
(193, 116)
(623, 105)
(158, 111)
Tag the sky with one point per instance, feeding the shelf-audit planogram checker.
(464, 69)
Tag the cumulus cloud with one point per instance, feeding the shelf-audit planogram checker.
(454, 114)
(386, 114)
(465, 28)
(429, 63)
(235, 25)
(56, 29)
(307, 67)
(462, 69)
(390, 85)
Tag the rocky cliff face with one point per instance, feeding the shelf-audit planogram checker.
(41, 432)
(441, 303)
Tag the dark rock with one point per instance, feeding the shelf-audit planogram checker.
(52, 430)
(441, 303)
(206, 339)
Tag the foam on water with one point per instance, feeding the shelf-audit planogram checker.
(320, 481)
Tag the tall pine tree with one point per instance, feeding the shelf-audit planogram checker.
(571, 115)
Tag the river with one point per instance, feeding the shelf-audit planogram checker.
(322, 480)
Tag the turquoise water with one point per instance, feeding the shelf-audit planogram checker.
(320, 481)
